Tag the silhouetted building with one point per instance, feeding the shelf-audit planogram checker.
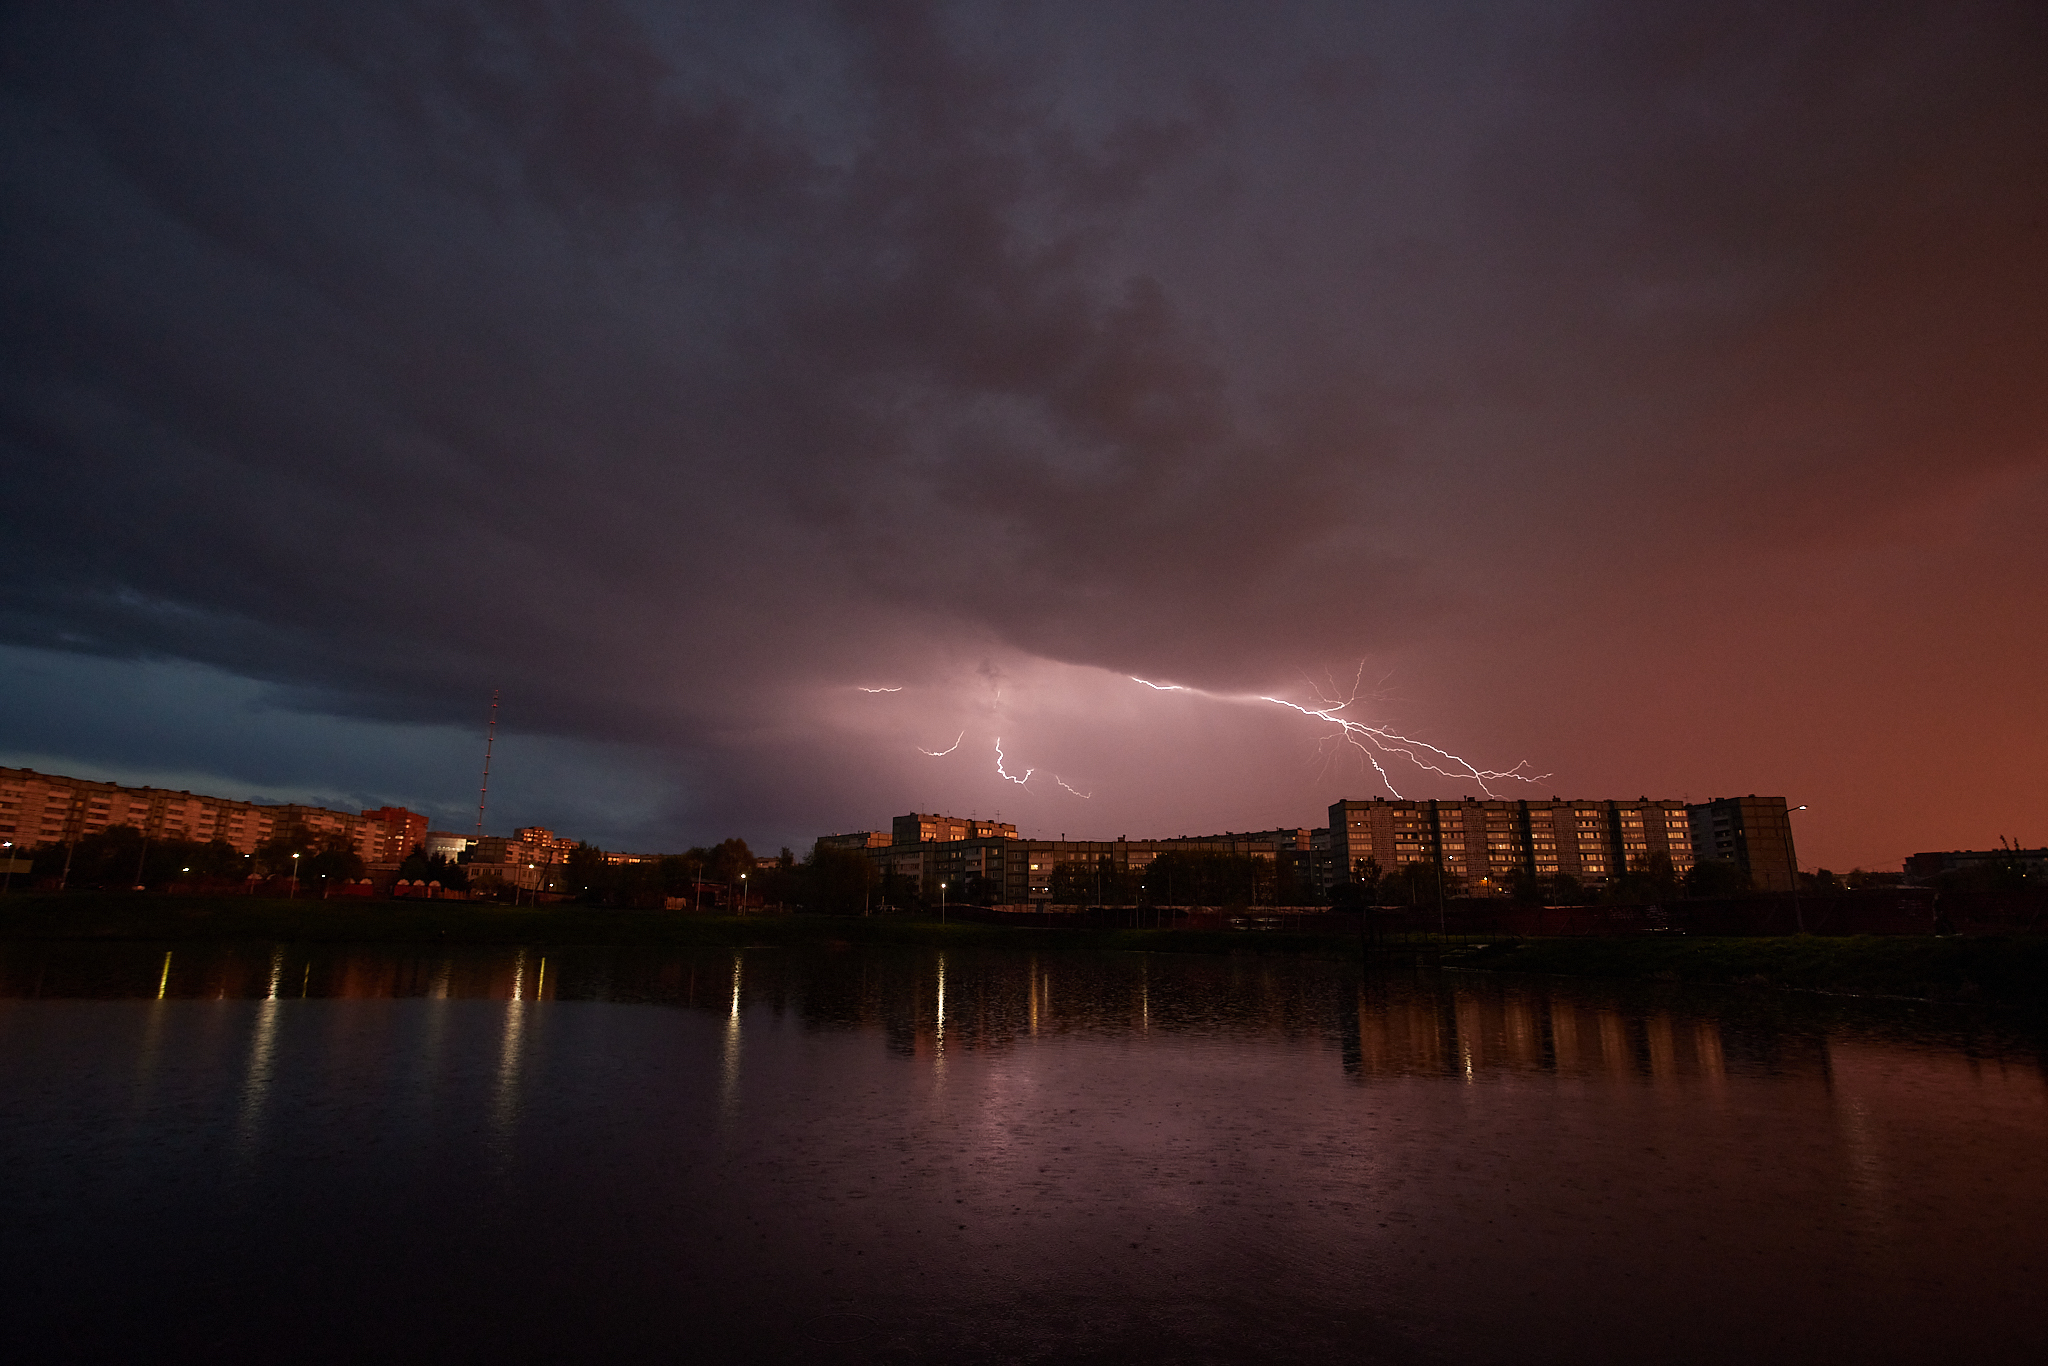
(920, 829)
(2028, 863)
(855, 841)
(1753, 833)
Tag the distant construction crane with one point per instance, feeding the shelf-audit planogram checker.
(490, 738)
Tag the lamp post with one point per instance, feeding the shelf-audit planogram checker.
(294, 893)
(743, 893)
(942, 903)
(7, 875)
(1792, 857)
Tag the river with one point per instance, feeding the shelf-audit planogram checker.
(857, 1155)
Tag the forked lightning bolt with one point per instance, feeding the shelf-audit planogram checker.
(1375, 742)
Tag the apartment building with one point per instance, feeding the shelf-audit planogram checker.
(1753, 833)
(929, 850)
(1484, 845)
(43, 808)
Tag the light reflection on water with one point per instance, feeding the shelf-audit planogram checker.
(968, 1156)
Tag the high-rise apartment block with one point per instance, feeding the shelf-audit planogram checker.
(394, 832)
(1753, 833)
(1486, 845)
(43, 808)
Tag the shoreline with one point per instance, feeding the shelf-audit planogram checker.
(2009, 971)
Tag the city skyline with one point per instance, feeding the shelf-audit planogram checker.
(784, 407)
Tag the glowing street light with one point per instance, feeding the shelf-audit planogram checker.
(294, 894)
(942, 903)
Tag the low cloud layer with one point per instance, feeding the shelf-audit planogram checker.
(681, 371)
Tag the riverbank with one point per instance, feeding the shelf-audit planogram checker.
(1981, 970)
(1988, 970)
(175, 919)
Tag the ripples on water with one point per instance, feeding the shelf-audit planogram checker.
(856, 1155)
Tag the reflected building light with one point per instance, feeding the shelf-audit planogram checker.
(262, 1065)
(540, 978)
(505, 1113)
(164, 983)
(942, 1002)
(1706, 1046)
(729, 1063)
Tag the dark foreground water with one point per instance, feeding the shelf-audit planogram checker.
(772, 1155)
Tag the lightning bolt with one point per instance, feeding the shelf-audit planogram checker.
(1011, 777)
(942, 753)
(1063, 783)
(881, 690)
(1376, 742)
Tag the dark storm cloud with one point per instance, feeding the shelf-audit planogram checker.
(655, 361)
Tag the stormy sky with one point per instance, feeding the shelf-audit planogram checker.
(1653, 393)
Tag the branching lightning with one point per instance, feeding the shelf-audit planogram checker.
(1000, 773)
(881, 690)
(1084, 796)
(1377, 742)
(942, 753)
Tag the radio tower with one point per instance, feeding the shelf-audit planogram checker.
(490, 738)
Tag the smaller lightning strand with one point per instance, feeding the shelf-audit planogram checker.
(942, 753)
(881, 690)
(1084, 796)
(1011, 777)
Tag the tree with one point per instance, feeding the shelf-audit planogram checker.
(333, 861)
(1418, 884)
(419, 866)
(1714, 879)
(274, 855)
(838, 882)
(1646, 880)
(586, 870)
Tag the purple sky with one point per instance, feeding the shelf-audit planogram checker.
(1655, 394)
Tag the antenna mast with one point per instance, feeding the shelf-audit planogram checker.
(490, 738)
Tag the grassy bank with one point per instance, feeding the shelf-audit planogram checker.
(1985, 969)
(168, 919)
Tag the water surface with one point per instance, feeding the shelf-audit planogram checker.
(784, 1155)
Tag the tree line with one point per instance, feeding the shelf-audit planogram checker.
(122, 856)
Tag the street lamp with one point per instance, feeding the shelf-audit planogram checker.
(1792, 857)
(743, 893)
(7, 877)
(942, 902)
